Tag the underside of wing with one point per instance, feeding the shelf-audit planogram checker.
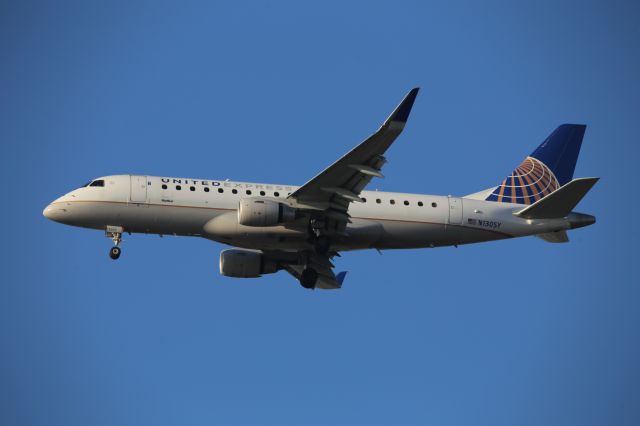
(296, 262)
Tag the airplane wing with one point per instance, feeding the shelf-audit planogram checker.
(341, 183)
(322, 264)
(329, 194)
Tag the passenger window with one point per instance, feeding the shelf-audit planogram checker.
(406, 203)
(178, 187)
(97, 183)
(220, 190)
(248, 192)
(164, 186)
(420, 203)
(262, 193)
(364, 200)
(235, 191)
(378, 200)
(434, 204)
(192, 188)
(277, 194)
(206, 189)
(392, 201)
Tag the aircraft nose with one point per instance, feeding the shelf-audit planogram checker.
(52, 212)
(47, 212)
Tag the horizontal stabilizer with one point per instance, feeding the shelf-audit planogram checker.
(554, 237)
(559, 203)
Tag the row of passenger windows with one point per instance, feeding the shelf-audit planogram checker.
(406, 203)
(277, 194)
(221, 190)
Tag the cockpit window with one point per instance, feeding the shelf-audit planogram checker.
(98, 182)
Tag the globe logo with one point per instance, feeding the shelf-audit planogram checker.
(531, 181)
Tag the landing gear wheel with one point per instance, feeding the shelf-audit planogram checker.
(115, 233)
(322, 244)
(114, 253)
(308, 278)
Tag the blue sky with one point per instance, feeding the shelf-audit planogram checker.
(512, 332)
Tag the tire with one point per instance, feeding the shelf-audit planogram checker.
(308, 278)
(115, 252)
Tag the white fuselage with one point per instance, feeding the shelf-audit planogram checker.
(208, 208)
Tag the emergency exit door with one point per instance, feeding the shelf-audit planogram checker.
(138, 189)
(455, 211)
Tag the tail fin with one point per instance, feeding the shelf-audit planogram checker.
(548, 168)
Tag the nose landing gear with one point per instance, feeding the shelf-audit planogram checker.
(114, 252)
(115, 233)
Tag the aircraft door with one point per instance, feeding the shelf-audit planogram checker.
(138, 189)
(455, 211)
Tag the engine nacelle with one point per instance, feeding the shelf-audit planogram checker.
(256, 212)
(241, 263)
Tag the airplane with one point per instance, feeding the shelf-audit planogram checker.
(301, 229)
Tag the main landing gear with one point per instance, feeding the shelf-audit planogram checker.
(115, 233)
(321, 244)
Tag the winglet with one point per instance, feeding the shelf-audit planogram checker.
(340, 277)
(401, 113)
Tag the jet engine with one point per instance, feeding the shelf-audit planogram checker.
(255, 212)
(241, 263)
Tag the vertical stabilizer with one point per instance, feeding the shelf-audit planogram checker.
(548, 168)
